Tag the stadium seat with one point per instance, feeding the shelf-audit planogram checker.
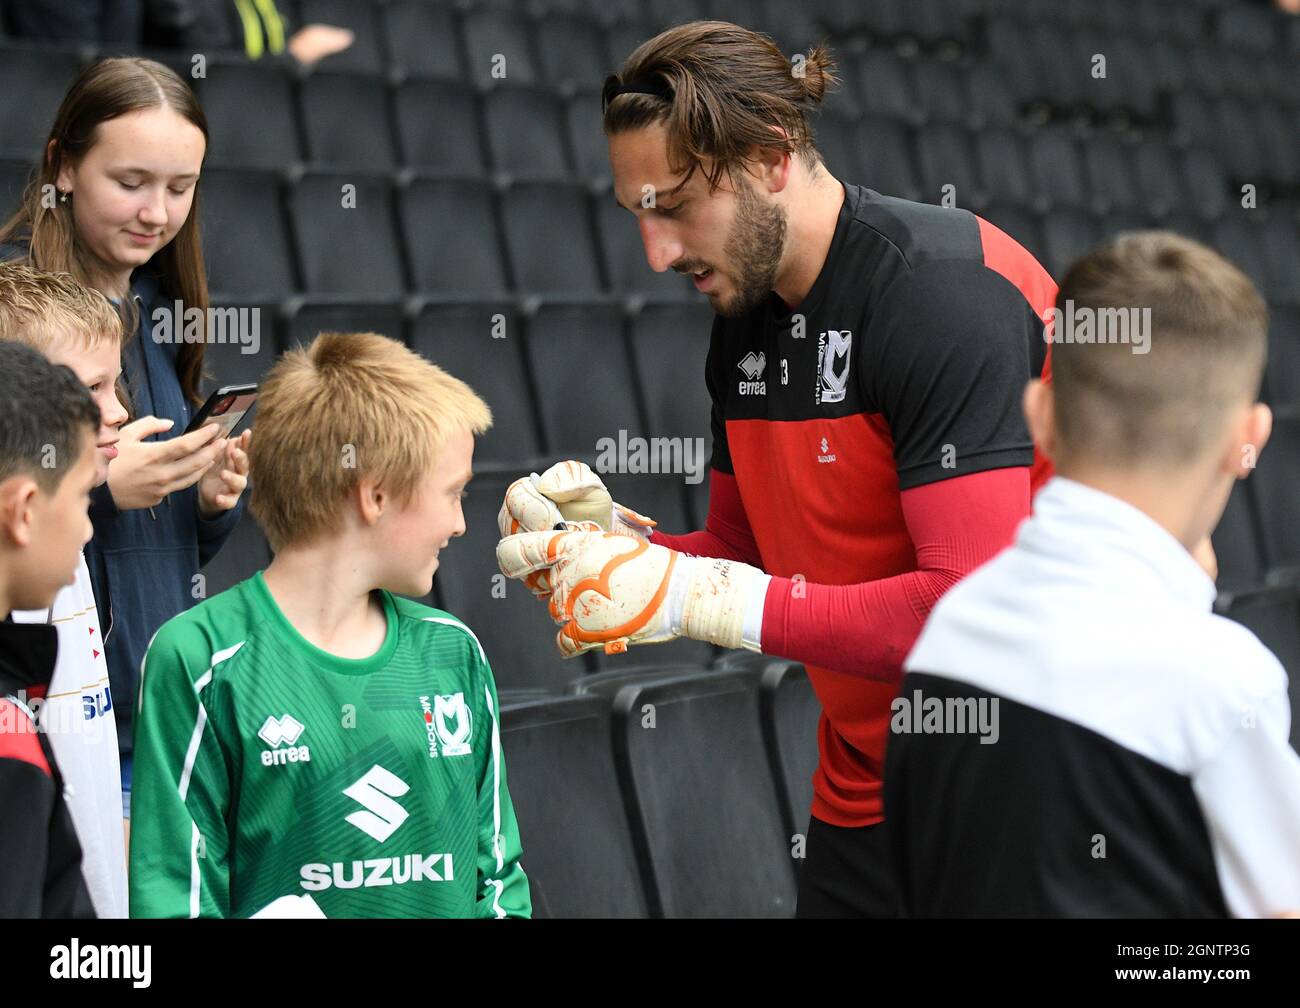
(582, 116)
(941, 91)
(244, 240)
(13, 181)
(715, 839)
(790, 712)
(549, 239)
(1207, 185)
(1056, 167)
(525, 133)
(1273, 615)
(1110, 175)
(364, 54)
(1253, 29)
(422, 39)
(1277, 488)
(1282, 255)
(577, 411)
(884, 85)
(1004, 166)
(251, 115)
(438, 128)
(346, 236)
(836, 142)
(669, 346)
(497, 48)
(946, 158)
(307, 318)
(1239, 237)
(346, 121)
(624, 257)
(993, 102)
(578, 849)
(1282, 379)
(1158, 175)
(515, 629)
(41, 76)
(572, 52)
(248, 357)
(1236, 542)
(482, 344)
(451, 237)
(886, 162)
(1067, 234)
(241, 556)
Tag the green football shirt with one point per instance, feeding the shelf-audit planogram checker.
(266, 767)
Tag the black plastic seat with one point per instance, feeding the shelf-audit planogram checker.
(549, 239)
(886, 162)
(438, 128)
(575, 410)
(715, 837)
(1273, 615)
(572, 52)
(526, 134)
(590, 870)
(497, 48)
(1057, 168)
(346, 119)
(1110, 174)
(1277, 487)
(1004, 166)
(1282, 379)
(948, 165)
(451, 237)
(1236, 542)
(251, 112)
(41, 76)
(422, 39)
(364, 54)
(241, 556)
(346, 234)
(1067, 235)
(582, 115)
(790, 713)
(252, 351)
(307, 318)
(885, 86)
(482, 344)
(244, 241)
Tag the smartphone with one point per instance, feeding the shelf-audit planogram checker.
(226, 407)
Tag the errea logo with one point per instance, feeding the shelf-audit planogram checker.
(752, 365)
(284, 730)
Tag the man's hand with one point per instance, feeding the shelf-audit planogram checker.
(568, 492)
(221, 485)
(145, 472)
(610, 591)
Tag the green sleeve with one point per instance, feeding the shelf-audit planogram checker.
(502, 884)
(180, 783)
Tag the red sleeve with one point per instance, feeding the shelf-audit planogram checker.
(868, 629)
(726, 531)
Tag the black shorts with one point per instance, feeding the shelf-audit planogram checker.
(847, 872)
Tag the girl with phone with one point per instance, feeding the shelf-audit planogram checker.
(115, 203)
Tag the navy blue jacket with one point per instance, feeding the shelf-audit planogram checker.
(143, 562)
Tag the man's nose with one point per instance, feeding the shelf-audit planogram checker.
(661, 250)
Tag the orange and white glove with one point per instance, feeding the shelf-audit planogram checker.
(609, 591)
(568, 492)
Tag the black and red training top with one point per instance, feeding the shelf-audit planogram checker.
(869, 450)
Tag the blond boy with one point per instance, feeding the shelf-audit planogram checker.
(309, 741)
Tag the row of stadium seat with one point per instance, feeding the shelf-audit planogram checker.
(267, 236)
(649, 821)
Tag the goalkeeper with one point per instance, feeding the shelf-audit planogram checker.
(866, 368)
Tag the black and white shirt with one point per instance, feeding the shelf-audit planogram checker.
(1079, 735)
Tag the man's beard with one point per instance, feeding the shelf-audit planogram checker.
(754, 248)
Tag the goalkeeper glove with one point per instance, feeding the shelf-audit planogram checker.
(567, 492)
(610, 591)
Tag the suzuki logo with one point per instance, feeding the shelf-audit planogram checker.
(375, 792)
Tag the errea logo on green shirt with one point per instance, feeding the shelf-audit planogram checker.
(283, 730)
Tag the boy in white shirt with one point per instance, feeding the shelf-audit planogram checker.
(1077, 733)
(74, 325)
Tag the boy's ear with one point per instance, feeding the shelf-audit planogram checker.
(17, 494)
(1039, 405)
(372, 501)
(1251, 432)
